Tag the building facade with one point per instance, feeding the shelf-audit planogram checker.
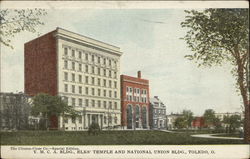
(14, 111)
(157, 114)
(198, 122)
(84, 71)
(135, 102)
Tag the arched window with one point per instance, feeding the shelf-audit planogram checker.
(144, 117)
(137, 116)
(129, 117)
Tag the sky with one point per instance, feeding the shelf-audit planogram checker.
(150, 42)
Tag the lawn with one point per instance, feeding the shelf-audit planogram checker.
(105, 138)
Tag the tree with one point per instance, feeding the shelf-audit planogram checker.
(209, 117)
(233, 122)
(15, 21)
(180, 123)
(222, 35)
(185, 120)
(188, 117)
(48, 106)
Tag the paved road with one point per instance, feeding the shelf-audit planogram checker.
(210, 136)
(215, 137)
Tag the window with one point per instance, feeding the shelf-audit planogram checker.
(86, 90)
(93, 80)
(73, 89)
(115, 84)
(110, 73)
(93, 58)
(86, 68)
(86, 102)
(73, 101)
(80, 90)
(93, 91)
(104, 104)
(65, 76)
(99, 92)
(73, 77)
(110, 83)
(109, 62)
(65, 64)
(110, 105)
(115, 94)
(99, 103)
(86, 57)
(93, 69)
(73, 119)
(79, 54)
(115, 74)
(104, 61)
(80, 102)
(104, 82)
(80, 67)
(73, 65)
(65, 88)
(127, 89)
(99, 71)
(131, 89)
(110, 94)
(104, 72)
(99, 81)
(99, 60)
(80, 78)
(80, 119)
(115, 105)
(110, 119)
(73, 53)
(104, 93)
(66, 51)
(93, 103)
(86, 79)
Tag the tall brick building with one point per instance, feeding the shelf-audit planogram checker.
(84, 71)
(135, 102)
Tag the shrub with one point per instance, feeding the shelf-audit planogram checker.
(94, 129)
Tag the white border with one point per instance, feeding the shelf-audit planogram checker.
(122, 4)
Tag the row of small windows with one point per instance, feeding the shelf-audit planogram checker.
(136, 90)
(92, 103)
(94, 91)
(90, 57)
(79, 119)
(91, 69)
(159, 112)
(91, 80)
(136, 99)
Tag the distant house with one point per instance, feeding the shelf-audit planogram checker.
(157, 114)
(14, 111)
(170, 119)
(198, 122)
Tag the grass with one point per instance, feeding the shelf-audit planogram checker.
(105, 138)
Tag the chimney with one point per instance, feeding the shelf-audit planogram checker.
(139, 74)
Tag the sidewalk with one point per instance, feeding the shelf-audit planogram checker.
(210, 136)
